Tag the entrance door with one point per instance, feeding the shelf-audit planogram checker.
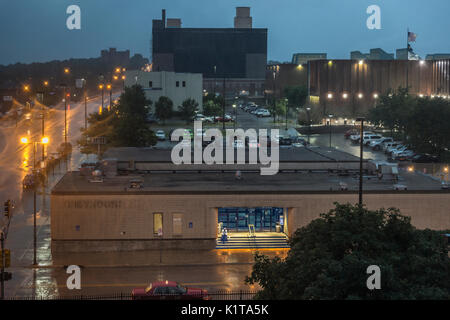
(242, 220)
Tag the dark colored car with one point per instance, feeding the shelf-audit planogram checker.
(424, 158)
(169, 290)
(285, 141)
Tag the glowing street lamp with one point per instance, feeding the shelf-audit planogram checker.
(44, 141)
(26, 88)
(66, 70)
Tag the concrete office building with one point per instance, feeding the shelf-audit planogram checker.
(375, 54)
(359, 83)
(303, 58)
(160, 205)
(234, 58)
(177, 86)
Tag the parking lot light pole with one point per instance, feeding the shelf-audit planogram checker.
(331, 119)
(361, 161)
(308, 109)
(43, 141)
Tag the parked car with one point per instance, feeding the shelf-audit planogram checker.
(169, 290)
(371, 137)
(199, 117)
(263, 113)
(284, 141)
(424, 158)
(350, 132)
(378, 144)
(160, 135)
(29, 181)
(400, 148)
(355, 138)
(404, 155)
(387, 145)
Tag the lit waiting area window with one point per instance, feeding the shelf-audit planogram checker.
(158, 224)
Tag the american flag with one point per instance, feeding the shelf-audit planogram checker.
(412, 37)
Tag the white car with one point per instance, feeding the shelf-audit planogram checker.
(199, 117)
(404, 155)
(378, 144)
(387, 145)
(263, 113)
(160, 135)
(370, 137)
(355, 137)
(396, 150)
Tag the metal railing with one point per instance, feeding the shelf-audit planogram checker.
(218, 295)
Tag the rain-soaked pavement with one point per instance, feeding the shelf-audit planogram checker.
(109, 272)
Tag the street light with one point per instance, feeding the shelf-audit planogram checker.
(330, 116)
(235, 115)
(287, 106)
(102, 87)
(66, 70)
(109, 87)
(308, 109)
(44, 141)
(361, 133)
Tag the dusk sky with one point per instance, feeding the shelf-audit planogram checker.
(35, 30)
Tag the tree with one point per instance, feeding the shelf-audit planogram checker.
(296, 96)
(187, 109)
(163, 108)
(210, 108)
(124, 125)
(278, 108)
(329, 259)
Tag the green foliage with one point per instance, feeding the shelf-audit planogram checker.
(163, 108)
(187, 109)
(124, 125)
(211, 108)
(278, 109)
(422, 122)
(296, 96)
(329, 258)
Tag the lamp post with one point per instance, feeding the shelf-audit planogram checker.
(330, 116)
(287, 102)
(102, 87)
(109, 87)
(361, 160)
(308, 109)
(235, 115)
(43, 141)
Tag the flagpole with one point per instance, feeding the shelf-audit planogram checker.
(407, 56)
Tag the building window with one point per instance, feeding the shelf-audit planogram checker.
(178, 84)
(158, 224)
(150, 84)
(184, 84)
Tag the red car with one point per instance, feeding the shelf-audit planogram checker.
(350, 132)
(168, 290)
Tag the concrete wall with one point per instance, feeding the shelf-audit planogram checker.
(129, 218)
(164, 84)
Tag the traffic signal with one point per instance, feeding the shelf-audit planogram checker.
(7, 258)
(7, 208)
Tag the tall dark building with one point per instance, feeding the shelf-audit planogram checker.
(237, 54)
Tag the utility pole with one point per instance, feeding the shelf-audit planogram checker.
(223, 106)
(65, 116)
(361, 161)
(2, 275)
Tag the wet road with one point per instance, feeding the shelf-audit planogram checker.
(16, 160)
